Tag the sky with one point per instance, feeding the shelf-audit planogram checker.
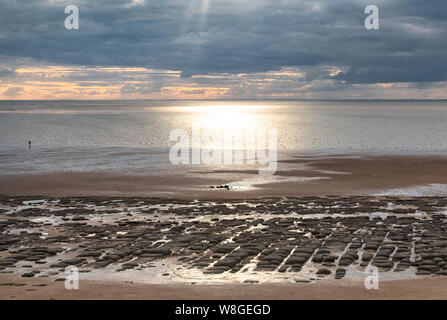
(223, 49)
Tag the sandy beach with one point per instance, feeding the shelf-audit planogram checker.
(302, 175)
(46, 289)
(157, 238)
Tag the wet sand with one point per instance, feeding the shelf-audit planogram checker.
(342, 175)
(291, 239)
(45, 289)
(269, 241)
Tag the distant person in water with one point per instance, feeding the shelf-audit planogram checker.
(29, 145)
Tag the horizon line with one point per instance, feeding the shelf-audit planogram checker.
(229, 99)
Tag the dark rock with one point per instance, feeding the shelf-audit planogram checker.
(324, 272)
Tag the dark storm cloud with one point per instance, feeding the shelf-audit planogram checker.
(235, 36)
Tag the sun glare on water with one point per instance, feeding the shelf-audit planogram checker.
(227, 117)
(239, 121)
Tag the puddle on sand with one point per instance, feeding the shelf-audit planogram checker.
(429, 190)
(252, 184)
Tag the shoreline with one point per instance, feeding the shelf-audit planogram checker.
(304, 175)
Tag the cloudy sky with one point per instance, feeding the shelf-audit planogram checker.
(218, 49)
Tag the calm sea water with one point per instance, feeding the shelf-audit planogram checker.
(72, 135)
(383, 126)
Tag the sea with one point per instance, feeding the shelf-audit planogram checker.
(127, 134)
